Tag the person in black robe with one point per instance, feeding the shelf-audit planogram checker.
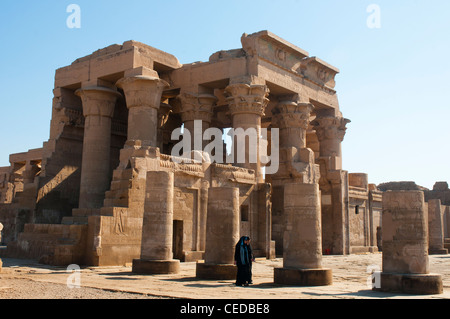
(243, 257)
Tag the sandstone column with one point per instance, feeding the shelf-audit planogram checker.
(98, 109)
(197, 107)
(143, 97)
(203, 215)
(330, 131)
(436, 228)
(447, 223)
(247, 104)
(222, 234)
(405, 245)
(302, 255)
(296, 161)
(157, 229)
(292, 119)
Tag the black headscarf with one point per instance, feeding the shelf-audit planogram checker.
(243, 251)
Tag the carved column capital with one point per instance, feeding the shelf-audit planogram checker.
(329, 128)
(143, 98)
(292, 115)
(98, 108)
(142, 91)
(197, 107)
(247, 99)
(99, 101)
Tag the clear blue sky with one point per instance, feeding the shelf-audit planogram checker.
(393, 85)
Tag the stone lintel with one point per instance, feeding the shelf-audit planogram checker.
(318, 62)
(24, 157)
(270, 37)
(113, 60)
(141, 71)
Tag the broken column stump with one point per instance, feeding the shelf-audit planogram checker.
(405, 245)
(222, 234)
(157, 229)
(302, 255)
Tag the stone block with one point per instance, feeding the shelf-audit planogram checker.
(216, 271)
(438, 251)
(190, 256)
(155, 267)
(302, 233)
(222, 225)
(303, 277)
(405, 245)
(405, 233)
(415, 284)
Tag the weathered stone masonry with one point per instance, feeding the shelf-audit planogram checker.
(81, 198)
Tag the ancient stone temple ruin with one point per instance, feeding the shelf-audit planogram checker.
(90, 194)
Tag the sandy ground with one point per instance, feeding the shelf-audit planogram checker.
(26, 279)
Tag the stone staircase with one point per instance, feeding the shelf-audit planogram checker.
(58, 245)
(110, 235)
(80, 216)
(117, 199)
(119, 193)
(126, 195)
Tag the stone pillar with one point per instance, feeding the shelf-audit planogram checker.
(222, 234)
(164, 112)
(197, 107)
(31, 170)
(203, 214)
(445, 210)
(143, 99)
(330, 132)
(405, 245)
(436, 228)
(247, 104)
(264, 220)
(292, 119)
(157, 229)
(98, 109)
(296, 161)
(447, 226)
(447, 221)
(302, 255)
